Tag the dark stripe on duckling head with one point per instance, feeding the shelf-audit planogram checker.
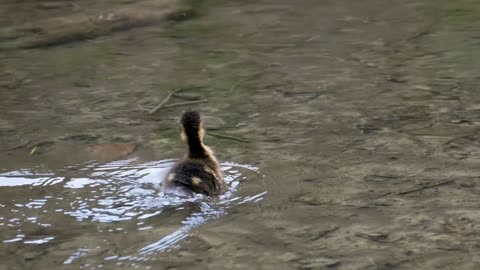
(192, 126)
(191, 123)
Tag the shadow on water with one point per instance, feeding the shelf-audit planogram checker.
(125, 195)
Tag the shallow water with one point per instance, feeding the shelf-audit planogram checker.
(362, 118)
(122, 197)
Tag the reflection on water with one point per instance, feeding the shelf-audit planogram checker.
(121, 193)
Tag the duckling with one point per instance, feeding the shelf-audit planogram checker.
(198, 171)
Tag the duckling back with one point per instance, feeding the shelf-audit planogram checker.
(195, 176)
(199, 171)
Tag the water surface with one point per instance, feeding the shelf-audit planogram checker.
(120, 197)
(362, 117)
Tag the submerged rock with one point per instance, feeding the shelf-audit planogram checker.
(318, 263)
(66, 29)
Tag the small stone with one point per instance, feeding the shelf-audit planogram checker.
(318, 263)
(422, 87)
(468, 184)
(459, 121)
(289, 256)
(211, 239)
(31, 255)
(396, 78)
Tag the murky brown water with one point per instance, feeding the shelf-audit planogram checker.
(348, 131)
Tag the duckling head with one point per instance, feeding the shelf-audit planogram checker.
(192, 131)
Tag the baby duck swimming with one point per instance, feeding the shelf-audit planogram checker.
(198, 171)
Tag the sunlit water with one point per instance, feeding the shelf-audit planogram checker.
(117, 194)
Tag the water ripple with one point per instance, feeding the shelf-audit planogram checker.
(124, 195)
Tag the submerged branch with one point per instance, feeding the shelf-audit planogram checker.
(159, 106)
(185, 103)
(223, 136)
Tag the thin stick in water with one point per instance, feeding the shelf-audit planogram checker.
(159, 106)
(20, 145)
(185, 103)
(242, 80)
(223, 136)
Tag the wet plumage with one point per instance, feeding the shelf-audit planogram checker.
(198, 171)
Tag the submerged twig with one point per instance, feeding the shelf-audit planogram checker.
(419, 188)
(249, 77)
(323, 233)
(380, 238)
(235, 84)
(187, 96)
(20, 145)
(426, 30)
(33, 151)
(174, 94)
(429, 185)
(223, 136)
(159, 106)
(185, 103)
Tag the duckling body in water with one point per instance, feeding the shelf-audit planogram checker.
(198, 171)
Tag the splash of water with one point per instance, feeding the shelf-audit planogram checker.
(118, 193)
